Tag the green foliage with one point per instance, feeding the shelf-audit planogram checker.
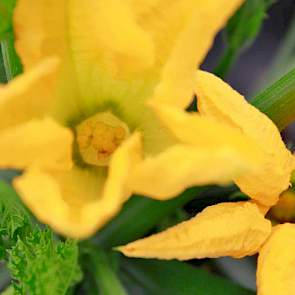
(177, 278)
(37, 261)
(241, 30)
(14, 218)
(41, 265)
(6, 13)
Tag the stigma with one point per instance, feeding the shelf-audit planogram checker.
(99, 136)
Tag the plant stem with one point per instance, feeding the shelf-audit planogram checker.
(278, 101)
(11, 62)
(105, 276)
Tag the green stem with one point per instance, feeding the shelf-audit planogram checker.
(105, 276)
(278, 101)
(11, 62)
(226, 62)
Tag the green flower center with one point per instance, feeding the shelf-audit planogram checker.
(99, 136)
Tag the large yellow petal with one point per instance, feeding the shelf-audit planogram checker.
(99, 31)
(41, 143)
(219, 101)
(183, 32)
(276, 262)
(181, 166)
(104, 41)
(227, 229)
(28, 95)
(77, 202)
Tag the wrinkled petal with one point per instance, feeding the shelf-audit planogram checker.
(28, 95)
(226, 229)
(77, 202)
(42, 143)
(218, 100)
(214, 153)
(185, 37)
(182, 166)
(199, 131)
(276, 271)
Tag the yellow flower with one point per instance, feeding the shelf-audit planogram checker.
(77, 123)
(237, 229)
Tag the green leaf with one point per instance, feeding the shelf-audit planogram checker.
(42, 265)
(6, 13)
(178, 278)
(241, 30)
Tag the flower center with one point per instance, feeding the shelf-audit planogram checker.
(99, 136)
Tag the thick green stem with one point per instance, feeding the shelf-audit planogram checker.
(11, 62)
(278, 101)
(105, 276)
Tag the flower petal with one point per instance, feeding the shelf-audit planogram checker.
(57, 197)
(200, 131)
(40, 30)
(183, 166)
(276, 271)
(226, 229)
(163, 31)
(218, 100)
(116, 50)
(42, 143)
(59, 24)
(77, 202)
(214, 153)
(184, 31)
(20, 99)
